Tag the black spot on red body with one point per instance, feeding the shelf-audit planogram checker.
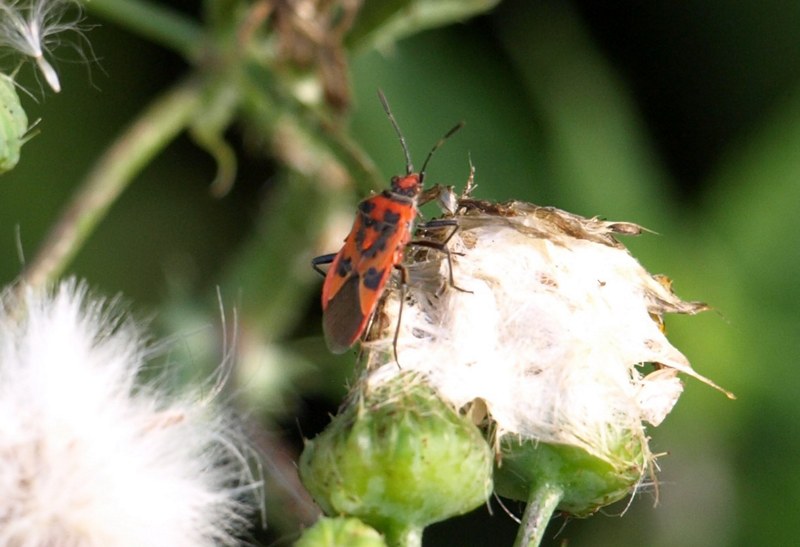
(390, 217)
(385, 232)
(366, 209)
(360, 236)
(366, 206)
(344, 267)
(372, 278)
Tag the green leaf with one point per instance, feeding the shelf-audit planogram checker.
(379, 24)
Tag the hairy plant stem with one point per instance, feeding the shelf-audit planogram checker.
(156, 127)
(404, 536)
(542, 503)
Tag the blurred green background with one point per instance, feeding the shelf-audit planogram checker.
(680, 116)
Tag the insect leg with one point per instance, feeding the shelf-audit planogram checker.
(442, 223)
(431, 194)
(441, 246)
(403, 283)
(317, 261)
(448, 200)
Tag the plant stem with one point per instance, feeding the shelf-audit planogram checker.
(403, 536)
(542, 503)
(154, 129)
(153, 21)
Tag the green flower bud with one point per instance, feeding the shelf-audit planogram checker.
(587, 481)
(13, 124)
(398, 458)
(336, 532)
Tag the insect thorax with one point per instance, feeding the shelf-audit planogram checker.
(408, 186)
(402, 198)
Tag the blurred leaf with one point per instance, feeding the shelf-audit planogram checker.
(272, 275)
(597, 148)
(379, 24)
(754, 206)
(208, 132)
(500, 136)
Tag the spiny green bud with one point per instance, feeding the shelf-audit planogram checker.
(587, 481)
(398, 458)
(337, 532)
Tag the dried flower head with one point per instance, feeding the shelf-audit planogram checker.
(31, 27)
(549, 332)
(87, 456)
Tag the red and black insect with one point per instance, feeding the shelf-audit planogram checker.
(358, 273)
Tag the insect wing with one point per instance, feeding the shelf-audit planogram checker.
(359, 273)
(343, 321)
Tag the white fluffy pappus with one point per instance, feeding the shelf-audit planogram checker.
(88, 457)
(551, 329)
(31, 27)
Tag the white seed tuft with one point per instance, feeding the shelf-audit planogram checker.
(552, 334)
(31, 27)
(88, 456)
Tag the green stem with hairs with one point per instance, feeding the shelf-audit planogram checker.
(156, 127)
(403, 536)
(542, 503)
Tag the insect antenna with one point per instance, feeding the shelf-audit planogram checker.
(385, 103)
(436, 147)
